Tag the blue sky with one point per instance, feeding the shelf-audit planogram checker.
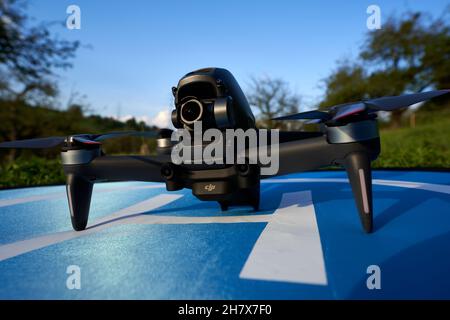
(139, 49)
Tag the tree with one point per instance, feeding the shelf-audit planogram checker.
(408, 54)
(272, 97)
(436, 59)
(28, 57)
(29, 54)
(345, 84)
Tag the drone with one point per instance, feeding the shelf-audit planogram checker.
(348, 137)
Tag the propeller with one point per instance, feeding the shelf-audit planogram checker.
(308, 115)
(345, 110)
(83, 139)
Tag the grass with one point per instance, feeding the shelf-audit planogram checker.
(425, 146)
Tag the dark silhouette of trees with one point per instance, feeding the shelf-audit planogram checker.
(272, 97)
(29, 54)
(28, 57)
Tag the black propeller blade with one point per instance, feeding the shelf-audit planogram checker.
(406, 100)
(38, 143)
(117, 134)
(87, 139)
(348, 109)
(342, 111)
(308, 115)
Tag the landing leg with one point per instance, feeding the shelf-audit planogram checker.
(244, 197)
(79, 191)
(254, 197)
(360, 175)
(224, 205)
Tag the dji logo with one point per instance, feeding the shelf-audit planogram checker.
(210, 187)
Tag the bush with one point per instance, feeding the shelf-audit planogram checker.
(30, 172)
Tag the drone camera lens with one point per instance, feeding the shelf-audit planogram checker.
(191, 111)
(167, 171)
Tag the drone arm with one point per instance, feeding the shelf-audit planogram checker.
(80, 179)
(319, 153)
(120, 168)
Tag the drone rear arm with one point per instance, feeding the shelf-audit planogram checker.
(316, 153)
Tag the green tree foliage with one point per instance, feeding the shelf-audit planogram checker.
(408, 54)
(39, 121)
(347, 83)
(29, 54)
(28, 57)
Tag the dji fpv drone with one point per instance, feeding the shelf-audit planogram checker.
(348, 137)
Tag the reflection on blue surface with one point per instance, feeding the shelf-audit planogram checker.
(411, 244)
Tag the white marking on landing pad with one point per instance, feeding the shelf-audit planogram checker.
(289, 248)
(392, 183)
(20, 247)
(57, 195)
(309, 248)
(440, 188)
(130, 215)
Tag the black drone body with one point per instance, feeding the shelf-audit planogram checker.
(349, 138)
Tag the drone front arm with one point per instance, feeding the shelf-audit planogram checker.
(119, 168)
(84, 167)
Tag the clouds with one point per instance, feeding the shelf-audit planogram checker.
(160, 120)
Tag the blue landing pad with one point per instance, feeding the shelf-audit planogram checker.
(306, 242)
